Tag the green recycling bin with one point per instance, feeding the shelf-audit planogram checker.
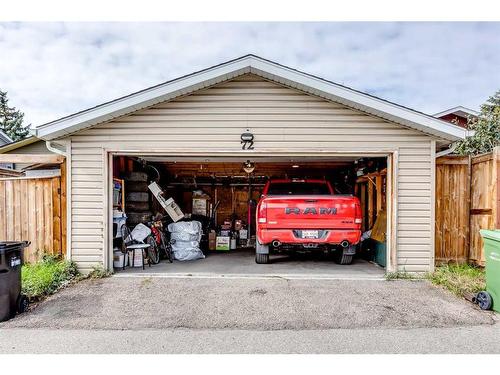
(491, 297)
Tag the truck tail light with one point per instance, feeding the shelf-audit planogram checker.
(262, 213)
(358, 217)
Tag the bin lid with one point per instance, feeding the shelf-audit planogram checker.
(10, 245)
(490, 234)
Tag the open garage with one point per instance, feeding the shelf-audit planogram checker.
(220, 134)
(223, 195)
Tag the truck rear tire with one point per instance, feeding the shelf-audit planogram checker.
(342, 258)
(261, 258)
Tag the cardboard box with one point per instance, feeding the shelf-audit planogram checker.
(212, 243)
(223, 243)
(173, 210)
(200, 205)
(119, 258)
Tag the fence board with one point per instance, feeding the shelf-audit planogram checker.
(40, 227)
(17, 209)
(31, 209)
(9, 208)
(3, 213)
(47, 213)
(31, 252)
(24, 208)
(56, 217)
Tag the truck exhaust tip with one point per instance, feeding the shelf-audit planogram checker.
(344, 243)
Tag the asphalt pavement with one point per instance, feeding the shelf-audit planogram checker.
(183, 315)
(459, 340)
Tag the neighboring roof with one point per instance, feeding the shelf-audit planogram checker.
(459, 111)
(15, 145)
(7, 172)
(261, 67)
(4, 138)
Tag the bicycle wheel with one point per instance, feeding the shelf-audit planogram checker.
(170, 254)
(153, 253)
(167, 248)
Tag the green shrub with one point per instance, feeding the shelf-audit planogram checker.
(459, 279)
(47, 276)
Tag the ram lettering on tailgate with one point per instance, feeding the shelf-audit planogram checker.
(311, 210)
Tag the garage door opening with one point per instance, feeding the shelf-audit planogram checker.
(222, 194)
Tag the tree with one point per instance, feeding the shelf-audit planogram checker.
(11, 119)
(486, 129)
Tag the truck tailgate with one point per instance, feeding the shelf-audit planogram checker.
(306, 212)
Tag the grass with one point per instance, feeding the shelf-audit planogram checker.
(460, 279)
(402, 276)
(47, 276)
(43, 278)
(98, 273)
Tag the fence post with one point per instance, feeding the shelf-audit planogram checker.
(496, 193)
(469, 207)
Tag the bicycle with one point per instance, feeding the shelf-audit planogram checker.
(160, 245)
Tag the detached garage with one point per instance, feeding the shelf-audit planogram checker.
(223, 131)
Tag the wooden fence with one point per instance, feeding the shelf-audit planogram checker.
(34, 209)
(467, 198)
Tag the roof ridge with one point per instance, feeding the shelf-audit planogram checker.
(250, 63)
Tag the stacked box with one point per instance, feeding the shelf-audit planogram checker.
(222, 243)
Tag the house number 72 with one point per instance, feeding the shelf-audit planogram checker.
(247, 141)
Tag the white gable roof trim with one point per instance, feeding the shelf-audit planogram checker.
(261, 67)
(5, 138)
(459, 111)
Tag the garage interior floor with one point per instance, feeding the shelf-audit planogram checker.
(241, 263)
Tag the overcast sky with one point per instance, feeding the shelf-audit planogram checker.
(54, 69)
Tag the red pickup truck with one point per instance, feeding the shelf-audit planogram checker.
(306, 215)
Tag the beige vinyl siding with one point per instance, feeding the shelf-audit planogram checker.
(282, 120)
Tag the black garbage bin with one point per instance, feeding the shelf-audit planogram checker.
(11, 260)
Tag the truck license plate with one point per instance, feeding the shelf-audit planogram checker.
(309, 234)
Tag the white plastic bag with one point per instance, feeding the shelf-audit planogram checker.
(185, 236)
(187, 250)
(184, 244)
(191, 227)
(185, 231)
(140, 232)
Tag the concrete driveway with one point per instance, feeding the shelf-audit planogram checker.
(242, 262)
(155, 308)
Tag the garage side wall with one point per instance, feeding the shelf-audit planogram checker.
(282, 120)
